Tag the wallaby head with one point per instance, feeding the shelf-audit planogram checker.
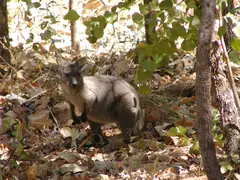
(71, 74)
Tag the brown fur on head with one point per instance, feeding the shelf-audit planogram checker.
(71, 74)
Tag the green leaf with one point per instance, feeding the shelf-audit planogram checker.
(192, 4)
(178, 29)
(221, 30)
(110, 17)
(36, 4)
(98, 32)
(223, 169)
(235, 44)
(234, 57)
(195, 21)
(72, 15)
(188, 45)
(143, 9)
(176, 131)
(149, 65)
(137, 18)
(144, 90)
(43, 24)
(87, 23)
(163, 46)
(164, 61)
(166, 4)
(46, 35)
(92, 39)
(102, 21)
(143, 75)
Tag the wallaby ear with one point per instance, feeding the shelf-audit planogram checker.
(79, 61)
(79, 64)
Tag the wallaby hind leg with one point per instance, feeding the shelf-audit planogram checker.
(97, 133)
(126, 117)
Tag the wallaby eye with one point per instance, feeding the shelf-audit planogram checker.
(67, 74)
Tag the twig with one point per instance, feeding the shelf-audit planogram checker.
(85, 141)
(55, 120)
(229, 69)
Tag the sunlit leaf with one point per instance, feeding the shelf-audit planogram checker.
(43, 24)
(149, 65)
(221, 30)
(46, 35)
(188, 45)
(110, 17)
(92, 39)
(36, 4)
(166, 4)
(235, 44)
(195, 21)
(72, 15)
(144, 90)
(137, 18)
(143, 75)
(192, 4)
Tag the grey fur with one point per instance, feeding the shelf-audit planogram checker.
(103, 99)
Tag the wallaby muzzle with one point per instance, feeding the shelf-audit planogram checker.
(73, 82)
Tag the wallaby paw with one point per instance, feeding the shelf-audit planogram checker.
(99, 141)
(114, 145)
(110, 147)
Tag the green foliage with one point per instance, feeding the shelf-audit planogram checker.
(225, 167)
(235, 44)
(166, 4)
(72, 15)
(221, 30)
(179, 131)
(95, 28)
(138, 18)
(46, 25)
(216, 129)
(195, 149)
(176, 131)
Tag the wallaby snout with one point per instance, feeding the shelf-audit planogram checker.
(73, 82)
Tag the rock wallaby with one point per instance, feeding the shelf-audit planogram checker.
(102, 99)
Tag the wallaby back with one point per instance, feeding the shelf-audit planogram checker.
(103, 99)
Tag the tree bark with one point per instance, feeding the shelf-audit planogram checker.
(4, 38)
(147, 20)
(203, 91)
(73, 27)
(229, 34)
(226, 104)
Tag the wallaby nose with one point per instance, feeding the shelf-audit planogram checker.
(74, 82)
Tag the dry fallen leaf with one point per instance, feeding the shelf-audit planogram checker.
(70, 157)
(32, 172)
(73, 168)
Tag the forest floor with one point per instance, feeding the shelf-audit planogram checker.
(37, 140)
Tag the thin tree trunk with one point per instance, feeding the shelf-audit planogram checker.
(147, 20)
(4, 39)
(203, 91)
(74, 38)
(226, 104)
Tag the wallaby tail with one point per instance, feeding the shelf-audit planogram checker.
(140, 120)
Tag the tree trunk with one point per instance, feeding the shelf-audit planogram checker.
(4, 38)
(74, 38)
(147, 21)
(226, 104)
(203, 91)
